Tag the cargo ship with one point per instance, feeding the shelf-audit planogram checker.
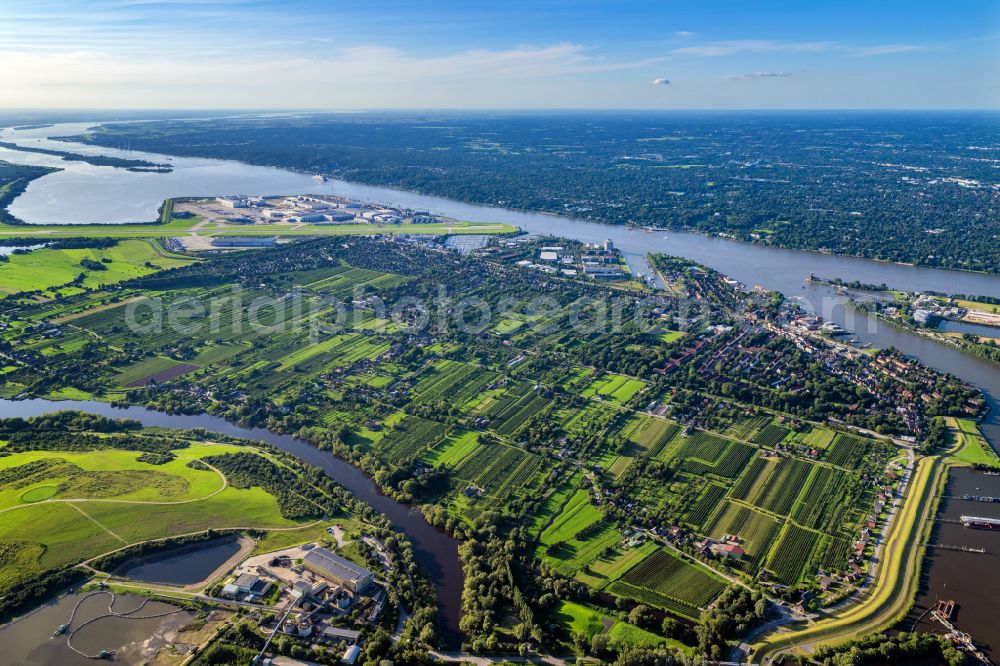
(981, 523)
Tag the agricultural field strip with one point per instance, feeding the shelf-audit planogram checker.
(672, 577)
(792, 553)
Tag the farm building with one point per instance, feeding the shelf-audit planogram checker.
(730, 550)
(338, 570)
(339, 634)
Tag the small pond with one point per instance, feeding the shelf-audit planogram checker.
(185, 565)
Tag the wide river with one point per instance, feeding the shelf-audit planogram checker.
(82, 193)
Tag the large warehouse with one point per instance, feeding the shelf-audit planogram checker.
(338, 570)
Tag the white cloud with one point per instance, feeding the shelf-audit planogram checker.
(885, 49)
(732, 47)
(739, 46)
(760, 75)
(661, 82)
(685, 33)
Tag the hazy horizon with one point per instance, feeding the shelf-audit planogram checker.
(490, 56)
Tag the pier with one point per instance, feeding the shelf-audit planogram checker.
(942, 612)
(964, 549)
(980, 498)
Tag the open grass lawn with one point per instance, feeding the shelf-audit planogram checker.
(977, 305)
(671, 336)
(45, 268)
(60, 507)
(47, 536)
(579, 619)
(575, 516)
(216, 353)
(615, 388)
(973, 448)
(453, 449)
(610, 567)
(569, 557)
(553, 505)
(625, 634)
(818, 437)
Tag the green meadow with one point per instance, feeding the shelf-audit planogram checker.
(61, 507)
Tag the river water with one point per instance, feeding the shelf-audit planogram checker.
(969, 578)
(82, 193)
(29, 641)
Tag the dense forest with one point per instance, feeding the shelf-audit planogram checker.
(918, 188)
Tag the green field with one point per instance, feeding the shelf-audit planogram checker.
(679, 580)
(553, 504)
(652, 434)
(60, 507)
(453, 449)
(615, 388)
(791, 553)
(46, 268)
(148, 368)
(671, 336)
(578, 514)
(625, 634)
(818, 438)
(755, 530)
(971, 447)
(610, 566)
(579, 619)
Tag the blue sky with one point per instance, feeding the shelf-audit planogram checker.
(512, 54)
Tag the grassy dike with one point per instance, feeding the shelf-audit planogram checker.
(889, 598)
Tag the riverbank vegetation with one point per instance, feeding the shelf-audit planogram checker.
(930, 314)
(14, 179)
(96, 160)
